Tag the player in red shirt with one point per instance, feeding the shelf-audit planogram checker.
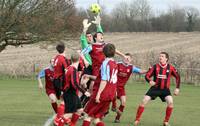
(104, 89)
(60, 66)
(50, 91)
(73, 107)
(61, 109)
(160, 86)
(125, 70)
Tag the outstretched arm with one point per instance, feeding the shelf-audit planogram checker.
(40, 75)
(97, 22)
(138, 70)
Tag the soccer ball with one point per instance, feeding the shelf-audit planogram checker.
(95, 8)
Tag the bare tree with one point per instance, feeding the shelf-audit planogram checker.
(133, 16)
(30, 21)
(120, 17)
(192, 15)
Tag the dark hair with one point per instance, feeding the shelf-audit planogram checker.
(166, 55)
(88, 33)
(60, 47)
(75, 57)
(95, 36)
(128, 54)
(109, 50)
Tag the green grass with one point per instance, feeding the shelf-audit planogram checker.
(22, 104)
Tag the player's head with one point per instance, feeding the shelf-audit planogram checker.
(109, 50)
(60, 47)
(98, 37)
(163, 57)
(52, 62)
(75, 57)
(128, 59)
(89, 37)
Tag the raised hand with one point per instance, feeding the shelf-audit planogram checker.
(97, 20)
(86, 25)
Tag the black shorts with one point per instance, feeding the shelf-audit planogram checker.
(72, 101)
(58, 84)
(88, 70)
(155, 92)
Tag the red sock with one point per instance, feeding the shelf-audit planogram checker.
(139, 113)
(100, 124)
(121, 109)
(54, 106)
(75, 117)
(60, 110)
(114, 103)
(168, 113)
(86, 123)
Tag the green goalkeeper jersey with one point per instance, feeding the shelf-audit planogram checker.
(85, 44)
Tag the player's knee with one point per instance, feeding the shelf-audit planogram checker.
(145, 100)
(80, 111)
(52, 98)
(123, 103)
(97, 120)
(170, 104)
(89, 119)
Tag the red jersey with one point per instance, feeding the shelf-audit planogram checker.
(97, 55)
(72, 80)
(124, 72)
(162, 74)
(59, 66)
(49, 79)
(108, 72)
(81, 65)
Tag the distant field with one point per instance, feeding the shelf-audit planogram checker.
(21, 60)
(22, 104)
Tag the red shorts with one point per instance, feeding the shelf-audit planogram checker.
(120, 92)
(95, 71)
(96, 110)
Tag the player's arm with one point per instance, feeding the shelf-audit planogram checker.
(90, 76)
(74, 79)
(177, 76)
(40, 75)
(97, 22)
(149, 74)
(121, 54)
(105, 75)
(138, 70)
(101, 88)
(87, 50)
(83, 38)
(64, 65)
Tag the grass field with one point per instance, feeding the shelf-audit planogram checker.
(22, 104)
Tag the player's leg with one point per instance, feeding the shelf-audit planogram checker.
(87, 121)
(77, 114)
(114, 104)
(169, 109)
(140, 109)
(53, 100)
(98, 122)
(120, 109)
(60, 112)
(65, 119)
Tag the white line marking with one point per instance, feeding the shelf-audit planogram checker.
(49, 120)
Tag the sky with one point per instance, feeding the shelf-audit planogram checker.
(157, 5)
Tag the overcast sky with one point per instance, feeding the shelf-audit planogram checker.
(157, 5)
